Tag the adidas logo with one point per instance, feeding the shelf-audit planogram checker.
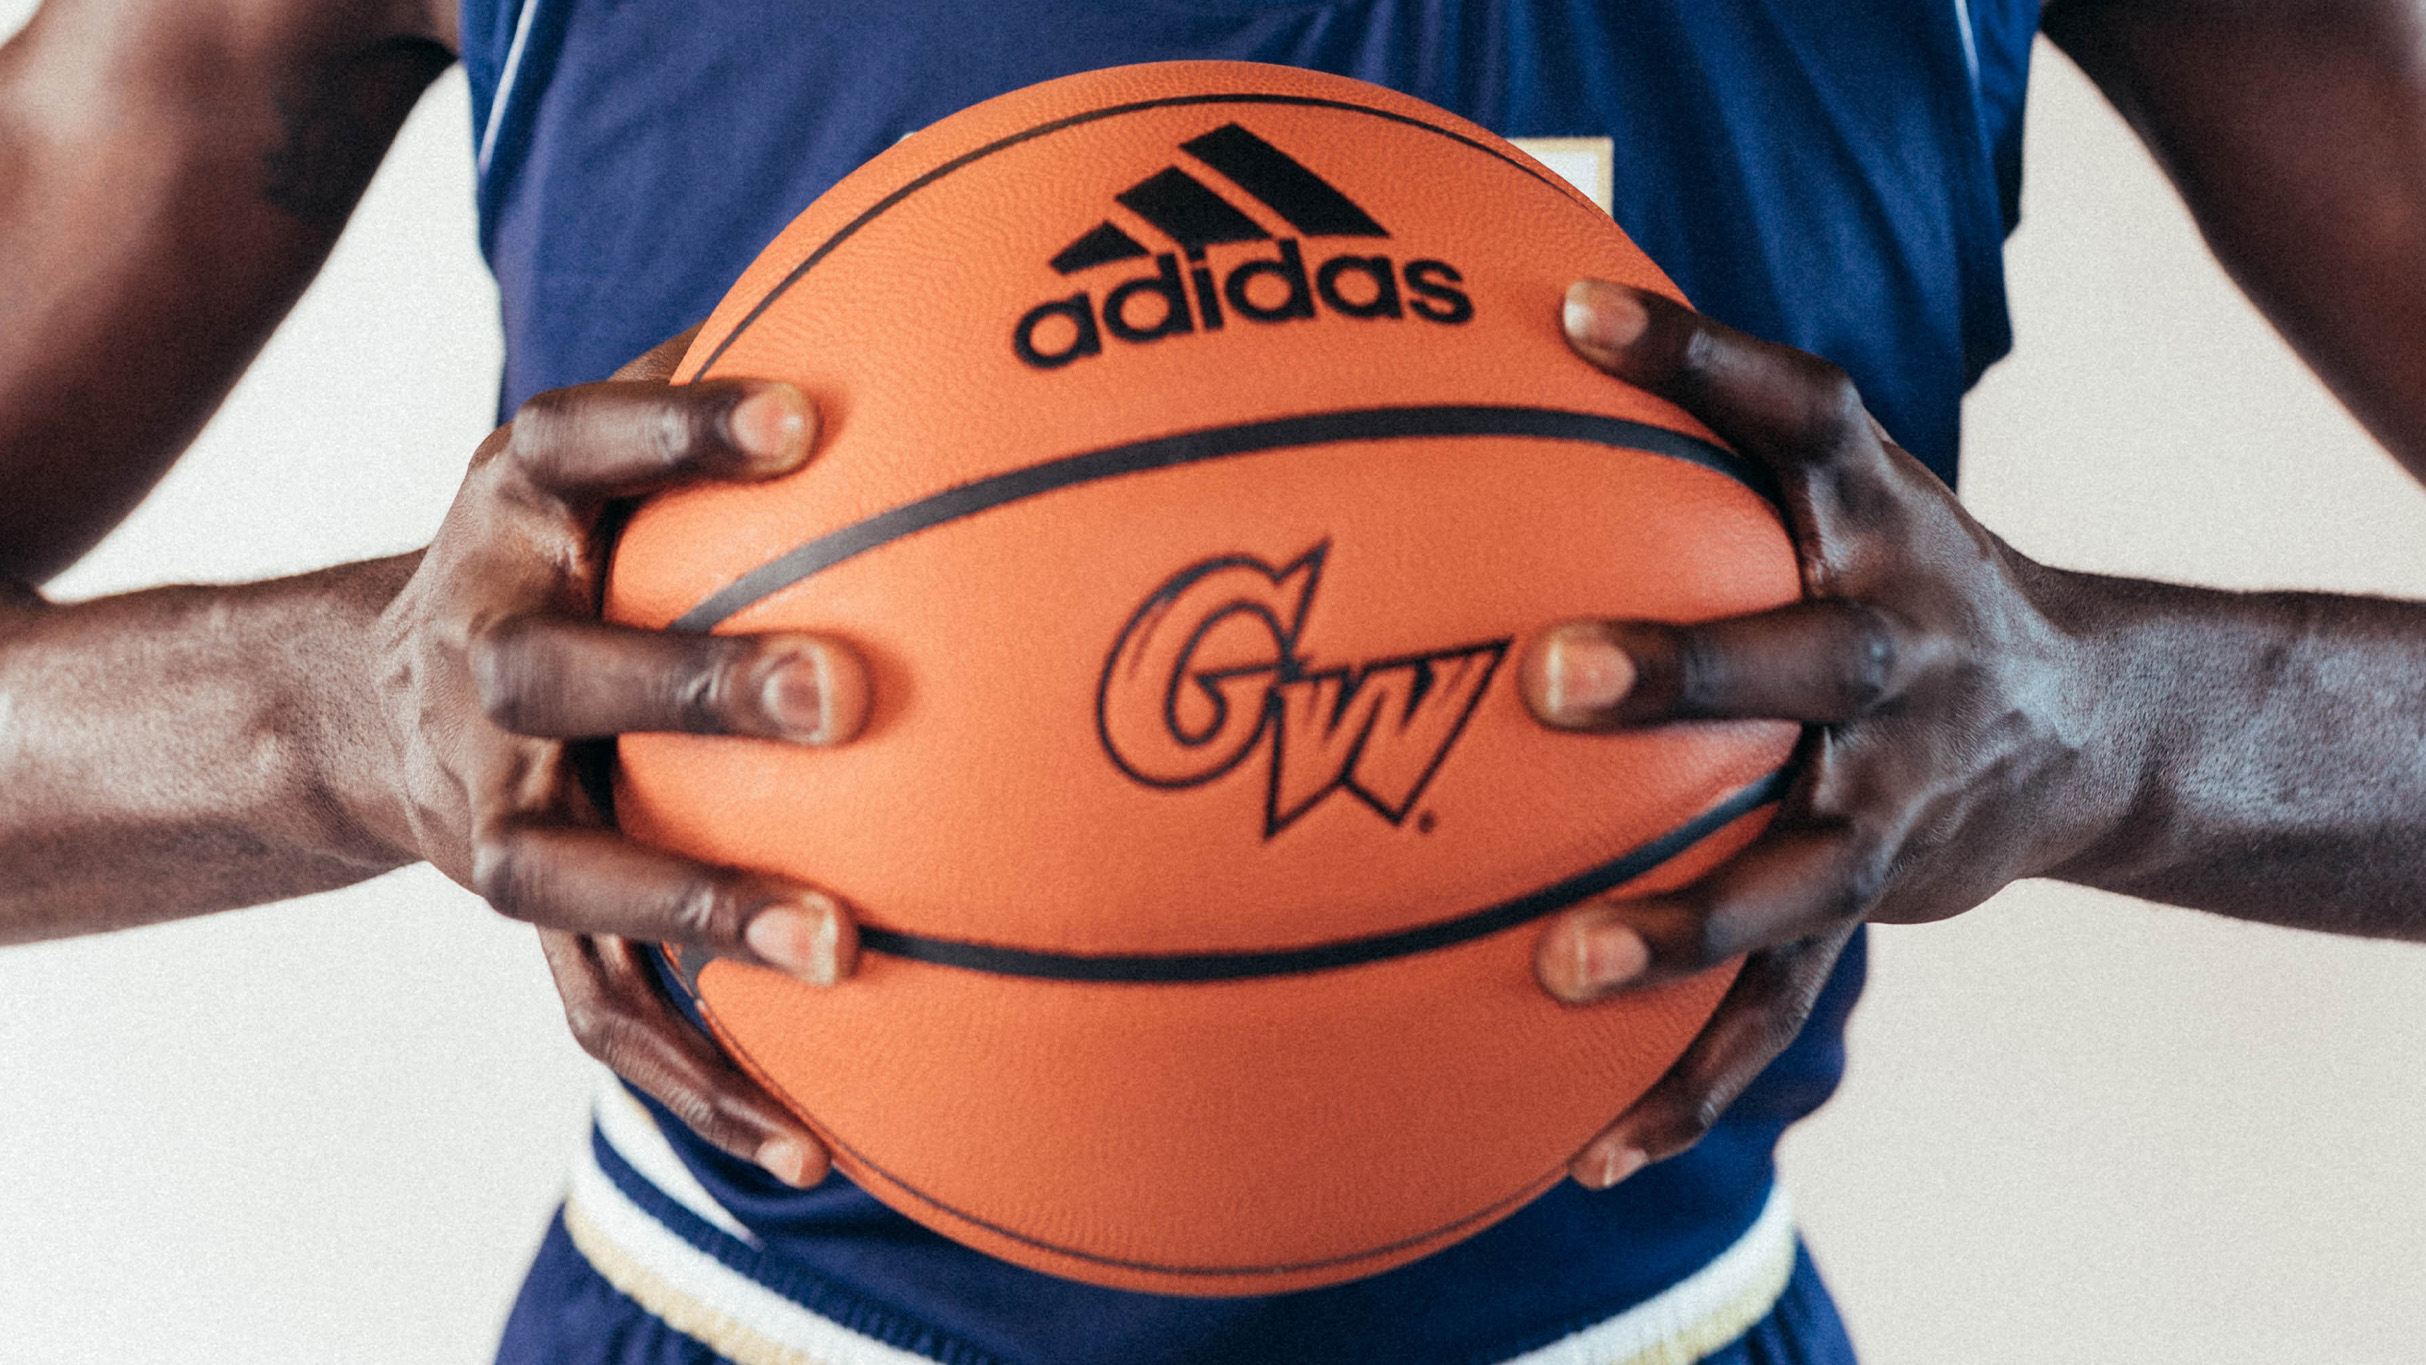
(1270, 289)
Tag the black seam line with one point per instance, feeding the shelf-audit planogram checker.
(827, 1134)
(1178, 967)
(1484, 1214)
(881, 206)
(1211, 443)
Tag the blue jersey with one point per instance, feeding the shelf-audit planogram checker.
(1831, 174)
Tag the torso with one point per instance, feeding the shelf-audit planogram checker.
(1835, 175)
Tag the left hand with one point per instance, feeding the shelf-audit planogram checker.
(1952, 723)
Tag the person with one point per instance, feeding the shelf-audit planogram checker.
(1835, 181)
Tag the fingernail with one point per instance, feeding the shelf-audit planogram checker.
(796, 697)
(1612, 956)
(786, 1159)
(1583, 673)
(818, 694)
(771, 424)
(1617, 1161)
(1603, 317)
(802, 940)
(1581, 961)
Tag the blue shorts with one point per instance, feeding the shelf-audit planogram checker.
(568, 1314)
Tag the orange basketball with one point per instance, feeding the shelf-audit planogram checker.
(1198, 447)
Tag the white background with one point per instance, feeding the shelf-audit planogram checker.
(2075, 1128)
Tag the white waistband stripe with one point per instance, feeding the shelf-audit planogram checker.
(1698, 1314)
(704, 1298)
(634, 1135)
(700, 1296)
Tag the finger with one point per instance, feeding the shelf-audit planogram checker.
(1784, 407)
(558, 678)
(1782, 887)
(659, 362)
(620, 440)
(594, 881)
(1821, 662)
(617, 1015)
(1762, 1013)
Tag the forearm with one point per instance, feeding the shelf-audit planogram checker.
(2264, 753)
(190, 749)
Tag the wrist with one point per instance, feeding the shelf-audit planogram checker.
(350, 752)
(2107, 688)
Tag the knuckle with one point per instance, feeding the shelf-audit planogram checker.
(704, 695)
(1701, 1116)
(1700, 670)
(1865, 881)
(698, 702)
(1833, 414)
(1709, 944)
(706, 908)
(1696, 349)
(1872, 651)
(1681, 1122)
(499, 657)
(704, 1115)
(1784, 1023)
(598, 1028)
(670, 436)
(624, 1047)
(534, 435)
(505, 873)
(1697, 938)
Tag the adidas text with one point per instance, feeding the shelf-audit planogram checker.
(1266, 289)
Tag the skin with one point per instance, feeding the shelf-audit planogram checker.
(175, 173)
(1974, 718)
(1978, 718)
(183, 750)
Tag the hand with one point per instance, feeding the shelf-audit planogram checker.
(493, 668)
(1948, 709)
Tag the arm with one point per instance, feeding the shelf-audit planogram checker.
(2270, 753)
(2296, 134)
(1978, 718)
(171, 175)
(1973, 718)
(171, 752)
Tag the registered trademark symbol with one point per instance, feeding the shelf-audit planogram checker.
(1425, 822)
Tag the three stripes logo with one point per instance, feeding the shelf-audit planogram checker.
(1213, 663)
(1265, 289)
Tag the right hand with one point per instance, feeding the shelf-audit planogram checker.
(492, 664)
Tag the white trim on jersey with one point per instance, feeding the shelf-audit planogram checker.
(1971, 44)
(698, 1295)
(751, 1324)
(505, 87)
(1698, 1314)
(634, 1135)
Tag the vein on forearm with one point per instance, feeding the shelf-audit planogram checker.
(182, 750)
(2281, 745)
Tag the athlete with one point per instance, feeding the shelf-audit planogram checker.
(1833, 177)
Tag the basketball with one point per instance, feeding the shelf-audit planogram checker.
(1198, 449)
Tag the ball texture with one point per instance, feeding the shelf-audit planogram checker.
(1198, 445)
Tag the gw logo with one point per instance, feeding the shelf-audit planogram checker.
(1213, 662)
